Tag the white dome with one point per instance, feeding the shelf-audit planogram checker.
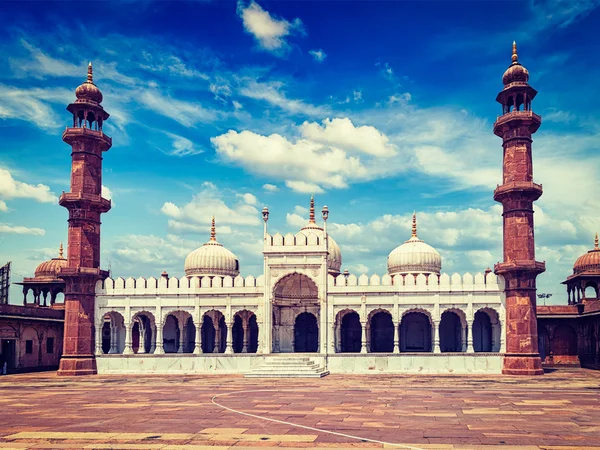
(414, 256)
(212, 259)
(334, 258)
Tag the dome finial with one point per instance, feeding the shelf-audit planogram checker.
(311, 216)
(213, 231)
(90, 76)
(414, 224)
(515, 57)
(596, 242)
(60, 249)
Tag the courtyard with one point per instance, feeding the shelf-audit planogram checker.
(560, 410)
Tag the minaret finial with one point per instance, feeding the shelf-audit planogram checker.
(414, 224)
(60, 249)
(311, 216)
(213, 230)
(596, 242)
(90, 76)
(515, 57)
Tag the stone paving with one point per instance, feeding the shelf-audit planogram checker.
(560, 410)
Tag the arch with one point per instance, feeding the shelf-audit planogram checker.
(482, 332)
(381, 327)
(214, 332)
(59, 297)
(238, 334)
(564, 341)
(591, 290)
(450, 332)
(295, 289)
(116, 331)
(171, 334)
(245, 333)
(306, 333)
(350, 331)
(142, 331)
(415, 331)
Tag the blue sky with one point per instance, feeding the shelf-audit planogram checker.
(378, 108)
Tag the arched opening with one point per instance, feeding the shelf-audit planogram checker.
(238, 334)
(591, 291)
(90, 120)
(350, 333)
(482, 332)
(293, 295)
(60, 298)
(252, 334)
(519, 102)
(382, 332)
(135, 337)
(190, 336)
(142, 332)
(114, 327)
(543, 342)
(306, 333)
(80, 119)
(171, 334)
(208, 335)
(415, 333)
(564, 341)
(106, 337)
(450, 332)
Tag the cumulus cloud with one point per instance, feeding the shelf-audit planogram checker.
(3, 206)
(11, 188)
(273, 93)
(270, 32)
(319, 55)
(304, 187)
(295, 220)
(270, 187)
(6, 228)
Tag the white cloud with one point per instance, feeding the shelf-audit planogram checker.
(34, 106)
(401, 99)
(249, 199)
(295, 220)
(106, 193)
(300, 210)
(181, 146)
(341, 132)
(357, 95)
(3, 206)
(270, 187)
(5, 228)
(562, 13)
(358, 269)
(272, 92)
(270, 32)
(319, 55)
(186, 113)
(11, 188)
(304, 187)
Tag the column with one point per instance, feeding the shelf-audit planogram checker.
(198, 340)
(229, 344)
(436, 336)
(217, 338)
(463, 338)
(396, 338)
(332, 338)
(470, 337)
(153, 339)
(323, 328)
(245, 337)
(363, 337)
(128, 331)
(502, 333)
(142, 337)
(99, 339)
(159, 349)
(113, 340)
(276, 348)
(181, 336)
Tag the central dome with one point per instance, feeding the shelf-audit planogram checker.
(588, 262)
(49, 269)
(515, 72)
(212, 259)
(334, 258)
(414, 256)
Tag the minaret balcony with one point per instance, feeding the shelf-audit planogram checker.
(72, 134)
(78, 199)
(528, 189)
(528, 266)
(534, 119)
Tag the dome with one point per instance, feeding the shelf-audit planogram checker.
(88, 90)
(414, 256)
(515, 72)
(334, 258)
(588, 262)
(212, 259)
(49, 269)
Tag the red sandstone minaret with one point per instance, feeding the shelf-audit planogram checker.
(85, 204)
(517, 194)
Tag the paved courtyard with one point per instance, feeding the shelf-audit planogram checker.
(560, 410)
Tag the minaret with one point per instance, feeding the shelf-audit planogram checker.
(517, 193)
(85, 204)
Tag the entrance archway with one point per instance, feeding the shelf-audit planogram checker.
(382, 332)
(350, 333)
(482, 332)
(306, 333)
(450, 332)
(415, 333)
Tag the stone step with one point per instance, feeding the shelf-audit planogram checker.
(288, 367)
(287, 374)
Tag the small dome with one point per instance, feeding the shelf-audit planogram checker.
(414, 256)
(588, 262)
(88, 90)
(334, 259)
(515, 72)
(212, 259)
(49, 269)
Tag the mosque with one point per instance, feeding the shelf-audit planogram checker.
(303, 316)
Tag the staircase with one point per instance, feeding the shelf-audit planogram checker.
(288, 367)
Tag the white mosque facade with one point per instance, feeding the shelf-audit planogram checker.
(302, 313)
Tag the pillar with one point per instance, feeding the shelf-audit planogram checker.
(463, 337)
(396, 338)
(99, 339)
(159, 348)
(142, 337)
(470, 337)
(128, 350)
(198, 340)
(229, 343)
(153, 339)
(245, 337)
(217, 338)
(181, 336)
(363, 337)
(436, 336)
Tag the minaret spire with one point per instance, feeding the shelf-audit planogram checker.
(311, 216)
(596, 242)
(213, 231)
(90, 75)
(515, 57)
(414, 225)
(60, 251)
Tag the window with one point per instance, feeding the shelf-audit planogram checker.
(50, 345)
(29, 346)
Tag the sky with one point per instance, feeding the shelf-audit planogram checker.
(378, 108)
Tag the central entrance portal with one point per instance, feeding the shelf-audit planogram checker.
(306, 333)
(296, 314)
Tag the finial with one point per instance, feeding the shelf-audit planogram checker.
(90, 77)
(414, 225)
(311, 216)
(596, 243)
(60, 249)
(515, 58)
(213, 231)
